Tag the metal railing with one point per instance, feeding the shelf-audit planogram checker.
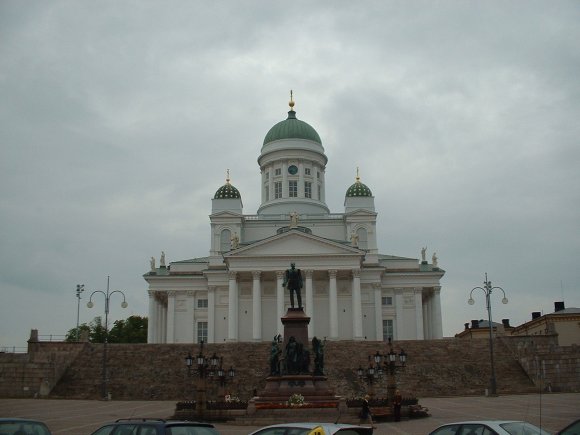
(51, 337)
(286, 217)
(13, 349)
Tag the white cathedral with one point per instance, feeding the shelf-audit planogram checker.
(350, 290)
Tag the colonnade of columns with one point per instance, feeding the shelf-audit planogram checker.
(427, 309)
(431, 305)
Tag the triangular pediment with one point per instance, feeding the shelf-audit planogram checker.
(361, 212)
(225, 213)
(294, 244)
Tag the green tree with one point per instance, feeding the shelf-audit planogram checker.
(97, 332)
(72, 335)
(131, 330)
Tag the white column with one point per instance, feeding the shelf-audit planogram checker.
(309, 308)
(271, 183)
(191, 310)
(280, 299)
(171, 317)
(163, 308)
(378, 294)
(257, 306)
(437, 323)
(426, 316)
(152, 323)
(323, 185)
(233, 307)
(285, 180)
(333, 305)
(399, 333)
(300, 179)
(356, 306)
(432, 314)
(419, 312)
(159, 337)
(210, 314)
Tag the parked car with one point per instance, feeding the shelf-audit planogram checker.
(22, 426)
(489, 427)
(572, 429)
(313, 429)
(153, 426)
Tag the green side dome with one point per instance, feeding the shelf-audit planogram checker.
(358, 189)
(227, 191)
(292, 128)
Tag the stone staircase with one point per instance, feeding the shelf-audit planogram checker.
(446, 367)
(34, 374)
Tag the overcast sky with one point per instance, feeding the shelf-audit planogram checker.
(118, 120)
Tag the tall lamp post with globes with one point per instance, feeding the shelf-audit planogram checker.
(90, 304)
(488, 289)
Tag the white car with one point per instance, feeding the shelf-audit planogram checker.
(489, 427)
(313, 429)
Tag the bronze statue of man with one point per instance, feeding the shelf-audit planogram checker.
(293, 281)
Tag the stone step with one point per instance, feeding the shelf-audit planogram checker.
(435, 367)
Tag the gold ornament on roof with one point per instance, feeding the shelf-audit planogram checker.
(291, 103)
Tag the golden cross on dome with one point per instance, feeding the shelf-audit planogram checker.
(357, 177)
(228, 176)
(291, 103)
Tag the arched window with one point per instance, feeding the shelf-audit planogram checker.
(225, 241)
(362, 238)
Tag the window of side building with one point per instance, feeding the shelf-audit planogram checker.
(202, 303)
(277, 189)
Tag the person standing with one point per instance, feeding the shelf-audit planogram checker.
(397, 403)
(365, 413)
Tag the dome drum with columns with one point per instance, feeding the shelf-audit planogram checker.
(351, 291)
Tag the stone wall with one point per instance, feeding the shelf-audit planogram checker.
(446, 367)
(549, 366)
(35, 373)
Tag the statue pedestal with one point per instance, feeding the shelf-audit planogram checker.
(296, 378)
(296, 325)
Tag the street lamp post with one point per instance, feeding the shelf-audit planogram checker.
(487, 289)
(389, 364)
(207, 368)
(80, 289)
(369, 375)
(90, 304)
(392, 367)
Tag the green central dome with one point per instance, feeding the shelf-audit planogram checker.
(292, 128)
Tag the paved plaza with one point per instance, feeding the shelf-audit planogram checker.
(81, 417)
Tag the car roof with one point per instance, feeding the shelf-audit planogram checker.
(162, 421)
(23, 420)
(486, 422)
(311, 424)
(328, 427)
